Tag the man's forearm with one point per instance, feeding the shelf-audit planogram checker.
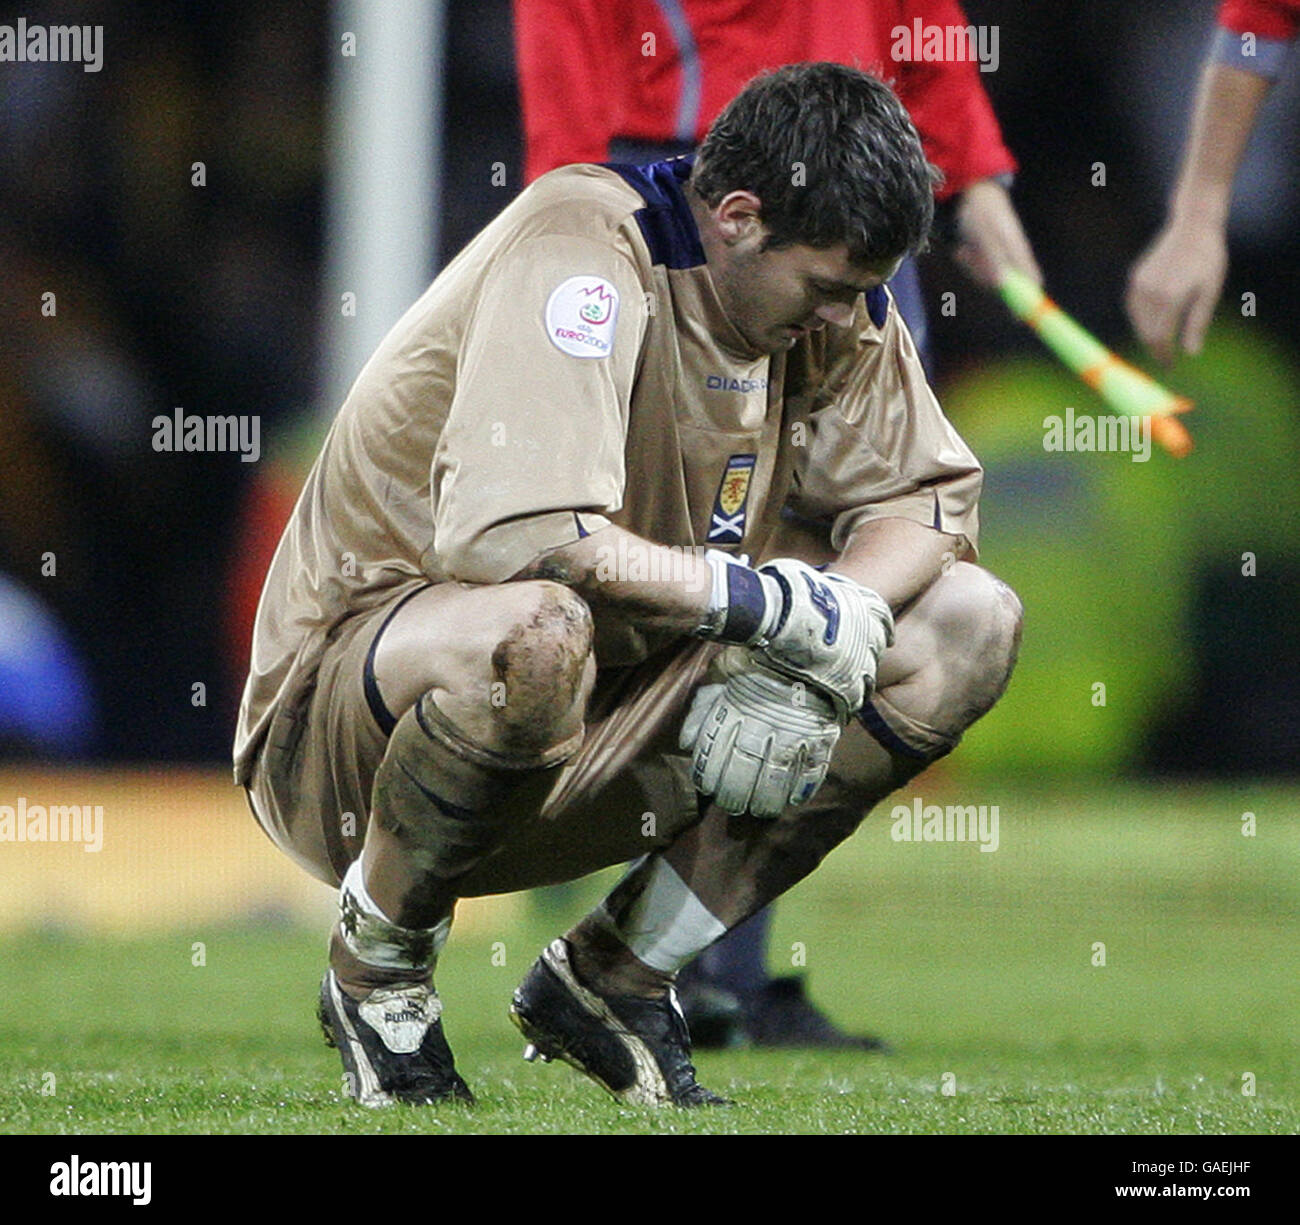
(897, 558)
(654, 585)
(669, 588)
(1175, 287)
(1227, 104)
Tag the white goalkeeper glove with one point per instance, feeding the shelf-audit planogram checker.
(821, 628)
(760, 741)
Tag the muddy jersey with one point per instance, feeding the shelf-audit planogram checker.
(572, 368)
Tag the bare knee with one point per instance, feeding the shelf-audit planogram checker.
(954, 651)
(976, 610)
(530, 672)
(542, 659)
(977, 622)
(510, 665)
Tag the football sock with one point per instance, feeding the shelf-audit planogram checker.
(738, 962)
(368, 950)
(437, 810)
(672, 906)
(649, 926)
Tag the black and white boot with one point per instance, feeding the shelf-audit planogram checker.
(637, 1049)
(392, 1044)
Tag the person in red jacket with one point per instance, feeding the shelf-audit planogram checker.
(1175, 285)
(642, 80)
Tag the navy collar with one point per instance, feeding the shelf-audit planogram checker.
(666, 222)
(668, 225)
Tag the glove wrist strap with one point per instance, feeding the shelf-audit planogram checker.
(741, 602)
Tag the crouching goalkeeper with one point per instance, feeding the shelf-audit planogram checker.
(512, 634)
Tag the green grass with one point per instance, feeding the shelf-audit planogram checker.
(973, 964)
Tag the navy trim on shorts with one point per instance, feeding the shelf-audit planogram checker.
(889, 740)
(374, 699)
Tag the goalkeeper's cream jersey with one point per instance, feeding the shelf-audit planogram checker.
(573, 367)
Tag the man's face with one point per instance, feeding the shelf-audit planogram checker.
(776, 296)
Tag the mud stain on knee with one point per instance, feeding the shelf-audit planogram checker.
(553, 644)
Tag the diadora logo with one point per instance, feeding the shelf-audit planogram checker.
(824, 602)
(722, 382)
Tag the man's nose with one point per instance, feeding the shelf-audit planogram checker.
(838, 313)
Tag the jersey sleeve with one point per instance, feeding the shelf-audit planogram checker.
(1274, 25)
(566, 101)
(950, 107)
(1266, 18)
(531, 457)
(880, 447)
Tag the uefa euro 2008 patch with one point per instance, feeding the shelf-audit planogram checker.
(580, 316)
(727, 525)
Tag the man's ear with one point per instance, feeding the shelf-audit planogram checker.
(739, 217)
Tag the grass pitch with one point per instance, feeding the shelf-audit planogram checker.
(983, 969)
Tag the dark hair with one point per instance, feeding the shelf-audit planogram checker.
(832, 155)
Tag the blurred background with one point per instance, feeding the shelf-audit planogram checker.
(129, 577)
